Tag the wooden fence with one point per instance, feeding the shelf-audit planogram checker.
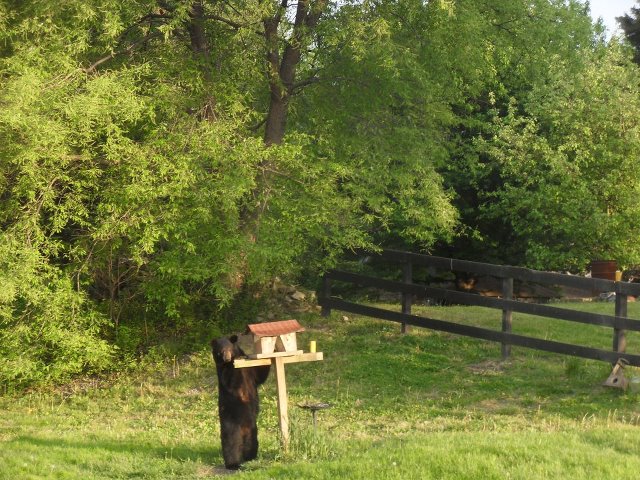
(618, 322)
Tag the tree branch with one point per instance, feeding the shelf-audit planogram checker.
(255, 127)
(303, 83)
(233, 24)
(229, 22)
(129, 49)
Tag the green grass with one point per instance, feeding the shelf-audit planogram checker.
(423, 405)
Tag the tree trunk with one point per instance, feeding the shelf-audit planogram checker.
(276, 121)
(200, 48)
(282, 73)
(196, 30)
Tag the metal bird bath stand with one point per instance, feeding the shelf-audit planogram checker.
(314, 407)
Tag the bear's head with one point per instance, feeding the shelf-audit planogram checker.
(226, 349)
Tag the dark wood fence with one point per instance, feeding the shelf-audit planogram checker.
(405, 260)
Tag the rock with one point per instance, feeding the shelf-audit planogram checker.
(607, 297)
(280, 287)
(298, 296)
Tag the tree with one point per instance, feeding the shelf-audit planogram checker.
(283, 62)
(630, 24)
(567, 168)
(521, 41)
(137, 180)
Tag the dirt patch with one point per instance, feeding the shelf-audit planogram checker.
(212, 470)
(488, 367)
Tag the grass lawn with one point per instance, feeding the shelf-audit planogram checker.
(423, 405)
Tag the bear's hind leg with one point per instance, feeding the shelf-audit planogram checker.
(249, 442)
(232, 446)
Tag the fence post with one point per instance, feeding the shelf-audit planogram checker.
(325, 295)
(507, 294)
(619, 335)
(407, 277)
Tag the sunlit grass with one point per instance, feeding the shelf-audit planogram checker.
(422, 405)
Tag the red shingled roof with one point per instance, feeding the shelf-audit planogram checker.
(272, 329)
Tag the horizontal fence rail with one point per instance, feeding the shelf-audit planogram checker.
(481, 333)
(619, 322)
(517, 273)
(490, 302)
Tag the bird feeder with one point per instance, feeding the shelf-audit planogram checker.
(275, 344)
(274, 339)
(617, 378)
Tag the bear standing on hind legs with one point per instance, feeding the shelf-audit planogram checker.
(238, 403)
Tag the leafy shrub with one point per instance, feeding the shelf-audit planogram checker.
(48, 332)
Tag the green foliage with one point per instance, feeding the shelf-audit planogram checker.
(568, 187)
(542, 163)
(48, 331)
(132, 172)
(630, 24)
(393, 115)
(140, 197)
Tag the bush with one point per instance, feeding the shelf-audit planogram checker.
(48, 332)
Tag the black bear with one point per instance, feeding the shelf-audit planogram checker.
(238, 403)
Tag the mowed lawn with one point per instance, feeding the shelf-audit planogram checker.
(422, 405)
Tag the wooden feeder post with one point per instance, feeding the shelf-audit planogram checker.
(285, 333)
(283, 401)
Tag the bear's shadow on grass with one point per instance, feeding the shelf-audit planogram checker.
(208, 456)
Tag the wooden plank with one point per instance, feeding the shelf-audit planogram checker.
(407, 298)
(619, 335)
(255, 356)
(367, 281)
(506, 271)
(490, 302)
(535, 309)
(305, 357)
(485, 334)
(507, 294)
(263, 344)
(628, 288)
(281, 385)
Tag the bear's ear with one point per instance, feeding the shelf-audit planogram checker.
(233, 338)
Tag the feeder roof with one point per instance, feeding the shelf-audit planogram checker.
(272, 329)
